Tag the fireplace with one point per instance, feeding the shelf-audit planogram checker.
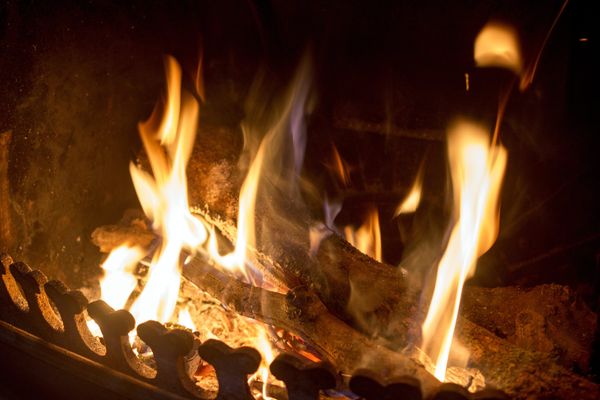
(269, 199)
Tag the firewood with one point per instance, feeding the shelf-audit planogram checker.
(383, 301)
(301, 312)
(381, 296)
(520, 372)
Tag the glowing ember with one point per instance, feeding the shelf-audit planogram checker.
(477, 169)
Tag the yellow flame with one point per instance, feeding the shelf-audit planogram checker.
(412, 200)
(497, 45)
(118, 281)
(264, 347)
(477, 169)
(236, 260)
(168, 138)
(286, 123)
(164, 196)
(367, 238)
(185, 319)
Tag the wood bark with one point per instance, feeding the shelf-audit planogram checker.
(373, 298)
(519, 371)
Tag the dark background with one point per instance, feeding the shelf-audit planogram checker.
(76, 77)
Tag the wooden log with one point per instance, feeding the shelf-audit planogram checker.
(371, 295)
(374, 298)
(522, 374)
(301, 312)
(550, 319)
(518, 371)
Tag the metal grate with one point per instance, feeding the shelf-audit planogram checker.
(46, 323)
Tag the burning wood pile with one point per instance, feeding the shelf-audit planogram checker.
(235, 287)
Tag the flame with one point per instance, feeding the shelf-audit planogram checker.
(168, 138)
(287, 126)
(340, 168)
(118, 281)
(236, 260)
(367, 238)
(477, 169)
(270, 157)
(184, 318)
(264, 347)
(412, 200)
(497, 45)
(164, 197)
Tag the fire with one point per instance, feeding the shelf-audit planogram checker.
(184, 318)
(264, 347)
(367, 238)
(497, 46)
(119, 281)
(340, 168)
(164, 198)
(477, 169)
(236, 261)
(412, 200)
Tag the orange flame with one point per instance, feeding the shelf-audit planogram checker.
(340, 168)
(412, 200)
(236, 260)
(287, 124)
(264, 347)
(367, 238)
(164, 198)
(118, 281)
(477, 169)
(497, 46)
(168, 138)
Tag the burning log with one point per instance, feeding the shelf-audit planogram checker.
(520, 372)
(347, 297)
(339, 273)
(303, 313)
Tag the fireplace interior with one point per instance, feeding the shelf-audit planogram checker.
(310, 126)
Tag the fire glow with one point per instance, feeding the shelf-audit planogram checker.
(367, 238)
(168, 138)
(476, 166)
(476, 169)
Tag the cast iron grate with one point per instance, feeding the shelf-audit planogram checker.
(28, 301)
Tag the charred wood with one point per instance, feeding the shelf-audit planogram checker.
(375, 299)
(301, 312)
(521, 372)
